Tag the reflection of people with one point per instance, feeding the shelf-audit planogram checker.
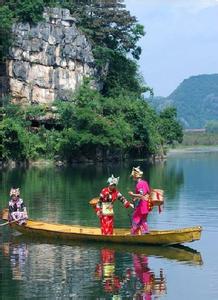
(17, 208)
(18, 254)
(104, 207)
(144, 274)
(141, 201)
(137, 282)
(105, 271)
(152, 285)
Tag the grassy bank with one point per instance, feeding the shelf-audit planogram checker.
(199, 139)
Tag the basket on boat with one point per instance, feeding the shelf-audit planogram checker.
(93, 202)
(4, 214)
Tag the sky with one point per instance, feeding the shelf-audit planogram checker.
(181, 40)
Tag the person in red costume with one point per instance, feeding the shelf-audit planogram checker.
(104, 207)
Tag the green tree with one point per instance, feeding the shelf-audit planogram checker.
(6, 17)
(107, 23)
(212, 126)
(169, 128)
(114, 34)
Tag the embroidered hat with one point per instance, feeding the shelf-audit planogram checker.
(14, 192)
(113, 180)
(136, 172)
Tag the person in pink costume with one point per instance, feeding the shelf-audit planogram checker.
(141, 203)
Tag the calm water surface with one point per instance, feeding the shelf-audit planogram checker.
(33, 269)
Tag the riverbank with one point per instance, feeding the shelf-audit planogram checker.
(193, 149)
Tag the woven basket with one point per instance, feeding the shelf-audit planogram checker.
(157, 196)
(94, 202)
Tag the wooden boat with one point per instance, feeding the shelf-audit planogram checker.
(121, 235)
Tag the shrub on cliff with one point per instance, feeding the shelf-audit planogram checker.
(92, 123)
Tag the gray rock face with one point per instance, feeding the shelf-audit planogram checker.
(48, 61)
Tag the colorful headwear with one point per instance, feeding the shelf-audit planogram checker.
(14, 192)
(113, 180)
(136, 172)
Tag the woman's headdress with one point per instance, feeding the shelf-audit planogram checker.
(136, 172)
(14, 192)
(113, 180)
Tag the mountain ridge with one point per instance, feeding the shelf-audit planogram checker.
(196, 100)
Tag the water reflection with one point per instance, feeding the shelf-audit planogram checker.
(67, 271)
(167, 176)
(105, 271)
(88, 271)
(138, 281)
(62, 195)
(17, 254)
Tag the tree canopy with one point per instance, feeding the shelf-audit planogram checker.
(169, 128)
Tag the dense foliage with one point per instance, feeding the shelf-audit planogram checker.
(196, 101)
(212, 126)
(91, 127)
(169, 127)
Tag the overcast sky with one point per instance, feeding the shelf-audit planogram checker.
(181, 40)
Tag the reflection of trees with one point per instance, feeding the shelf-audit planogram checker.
(167, 176)
(62, 194)
(11, 177)
(48, 272)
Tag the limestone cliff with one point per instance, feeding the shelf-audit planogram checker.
(48, 61)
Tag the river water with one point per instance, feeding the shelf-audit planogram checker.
(33, 269)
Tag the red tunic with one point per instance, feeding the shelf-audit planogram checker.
(108, 197)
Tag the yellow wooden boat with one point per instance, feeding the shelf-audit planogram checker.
(121, 235)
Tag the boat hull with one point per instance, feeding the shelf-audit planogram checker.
(121, 235)
(72, 232)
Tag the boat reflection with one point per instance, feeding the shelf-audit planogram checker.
(137, 281)
(180, 253)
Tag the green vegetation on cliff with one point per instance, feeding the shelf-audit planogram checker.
(90, 127)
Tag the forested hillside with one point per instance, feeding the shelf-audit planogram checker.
(196, 101)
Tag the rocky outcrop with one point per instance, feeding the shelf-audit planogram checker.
(48, 61)
(3, 82)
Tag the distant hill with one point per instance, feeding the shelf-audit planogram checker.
(196, 100)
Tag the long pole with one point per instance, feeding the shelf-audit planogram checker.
(10, 222)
